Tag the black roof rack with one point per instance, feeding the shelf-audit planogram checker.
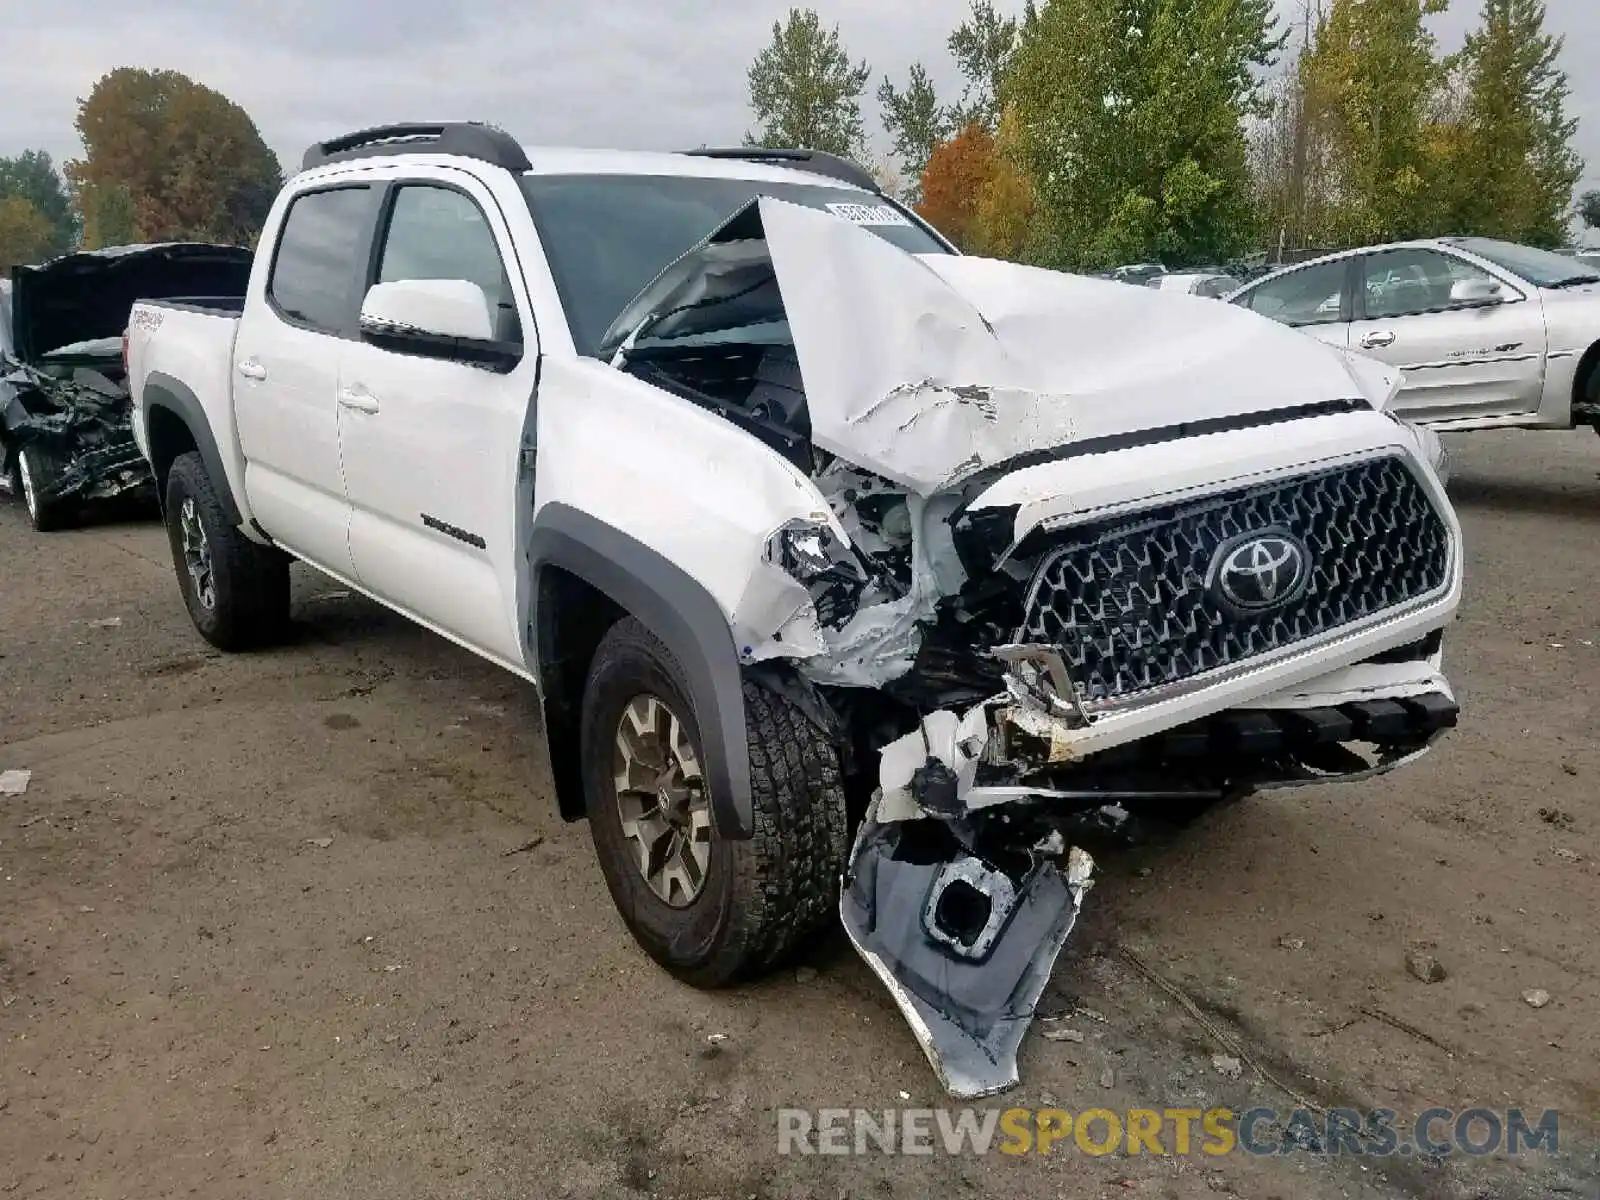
(817, 162)
(468, 139)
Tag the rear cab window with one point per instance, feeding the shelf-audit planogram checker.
(319, 266)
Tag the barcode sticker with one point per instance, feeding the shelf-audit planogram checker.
(869, 214)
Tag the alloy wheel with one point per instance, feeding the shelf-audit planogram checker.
(197, 554)
(662, 800)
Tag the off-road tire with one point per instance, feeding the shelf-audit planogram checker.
(250, 581)
(46, 516)
(763, 900)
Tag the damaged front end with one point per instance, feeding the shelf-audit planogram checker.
(1072, 553)
(64, 401)
(79, 419)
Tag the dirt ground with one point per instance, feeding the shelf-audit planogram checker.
(204, 995)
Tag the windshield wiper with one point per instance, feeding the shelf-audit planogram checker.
(1573, 281)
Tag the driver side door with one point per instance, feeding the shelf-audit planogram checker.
(432, 439)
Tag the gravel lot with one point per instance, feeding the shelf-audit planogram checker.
(203, 994)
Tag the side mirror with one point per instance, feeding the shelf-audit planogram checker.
(431, 309)
(1475, 291)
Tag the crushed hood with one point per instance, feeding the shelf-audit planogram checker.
(927, 369)
(87, 296)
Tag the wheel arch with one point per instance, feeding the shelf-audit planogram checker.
(585, 575)
(175, 423)
(1584, 376)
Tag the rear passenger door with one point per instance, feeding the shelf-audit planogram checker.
(431, 444)
(1315, 299)
(286, 371)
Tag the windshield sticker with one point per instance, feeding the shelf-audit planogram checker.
(869, 214)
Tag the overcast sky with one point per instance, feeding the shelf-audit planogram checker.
(622, 73)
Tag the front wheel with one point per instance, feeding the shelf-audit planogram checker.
(237, 591)
(711, 910)
(37, 469)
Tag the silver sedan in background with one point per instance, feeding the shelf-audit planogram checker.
(1487, 334)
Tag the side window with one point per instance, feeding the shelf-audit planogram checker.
(320, 262)
(1402, 283)
(1307, 297)
(439, 233)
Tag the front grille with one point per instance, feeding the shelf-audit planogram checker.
(1131, 604)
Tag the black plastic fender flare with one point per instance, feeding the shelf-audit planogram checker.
(162, 391)
(684, 615)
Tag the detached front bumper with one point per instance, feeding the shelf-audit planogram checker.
(964, 947)
(966, 880)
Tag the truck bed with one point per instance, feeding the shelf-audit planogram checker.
(215, 306)
(184, 349)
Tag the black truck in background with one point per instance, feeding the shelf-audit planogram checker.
(65, 416)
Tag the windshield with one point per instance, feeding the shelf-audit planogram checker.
(607, 236)
(1539, 267)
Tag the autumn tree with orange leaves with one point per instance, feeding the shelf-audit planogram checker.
(957, 173)
(975, 196)
(169, 159)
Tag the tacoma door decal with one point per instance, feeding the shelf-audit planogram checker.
(455, 531)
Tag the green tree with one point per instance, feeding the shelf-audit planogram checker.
(26, 235)
(1589, 209)
(33, 177)
(982, 46)
(1130, 126)
(169, 159)
(804, 89)
(1371, 80)
(109, 215)
(1516, 164)
(915, 122)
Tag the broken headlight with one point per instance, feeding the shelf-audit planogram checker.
(813, 555)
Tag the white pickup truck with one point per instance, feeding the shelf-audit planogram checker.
(805, 526)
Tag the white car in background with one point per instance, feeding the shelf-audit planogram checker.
(1195, 283)
(1487, 334)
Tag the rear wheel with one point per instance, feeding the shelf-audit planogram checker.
(1586, 409)
(236, 590)
(37, 469)
(711, 910)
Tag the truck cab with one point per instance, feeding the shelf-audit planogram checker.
(856, 576)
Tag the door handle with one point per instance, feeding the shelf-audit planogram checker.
(358, 399)
(251, 369)
(1377, 339)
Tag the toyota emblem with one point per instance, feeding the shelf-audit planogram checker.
(1260, 571)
